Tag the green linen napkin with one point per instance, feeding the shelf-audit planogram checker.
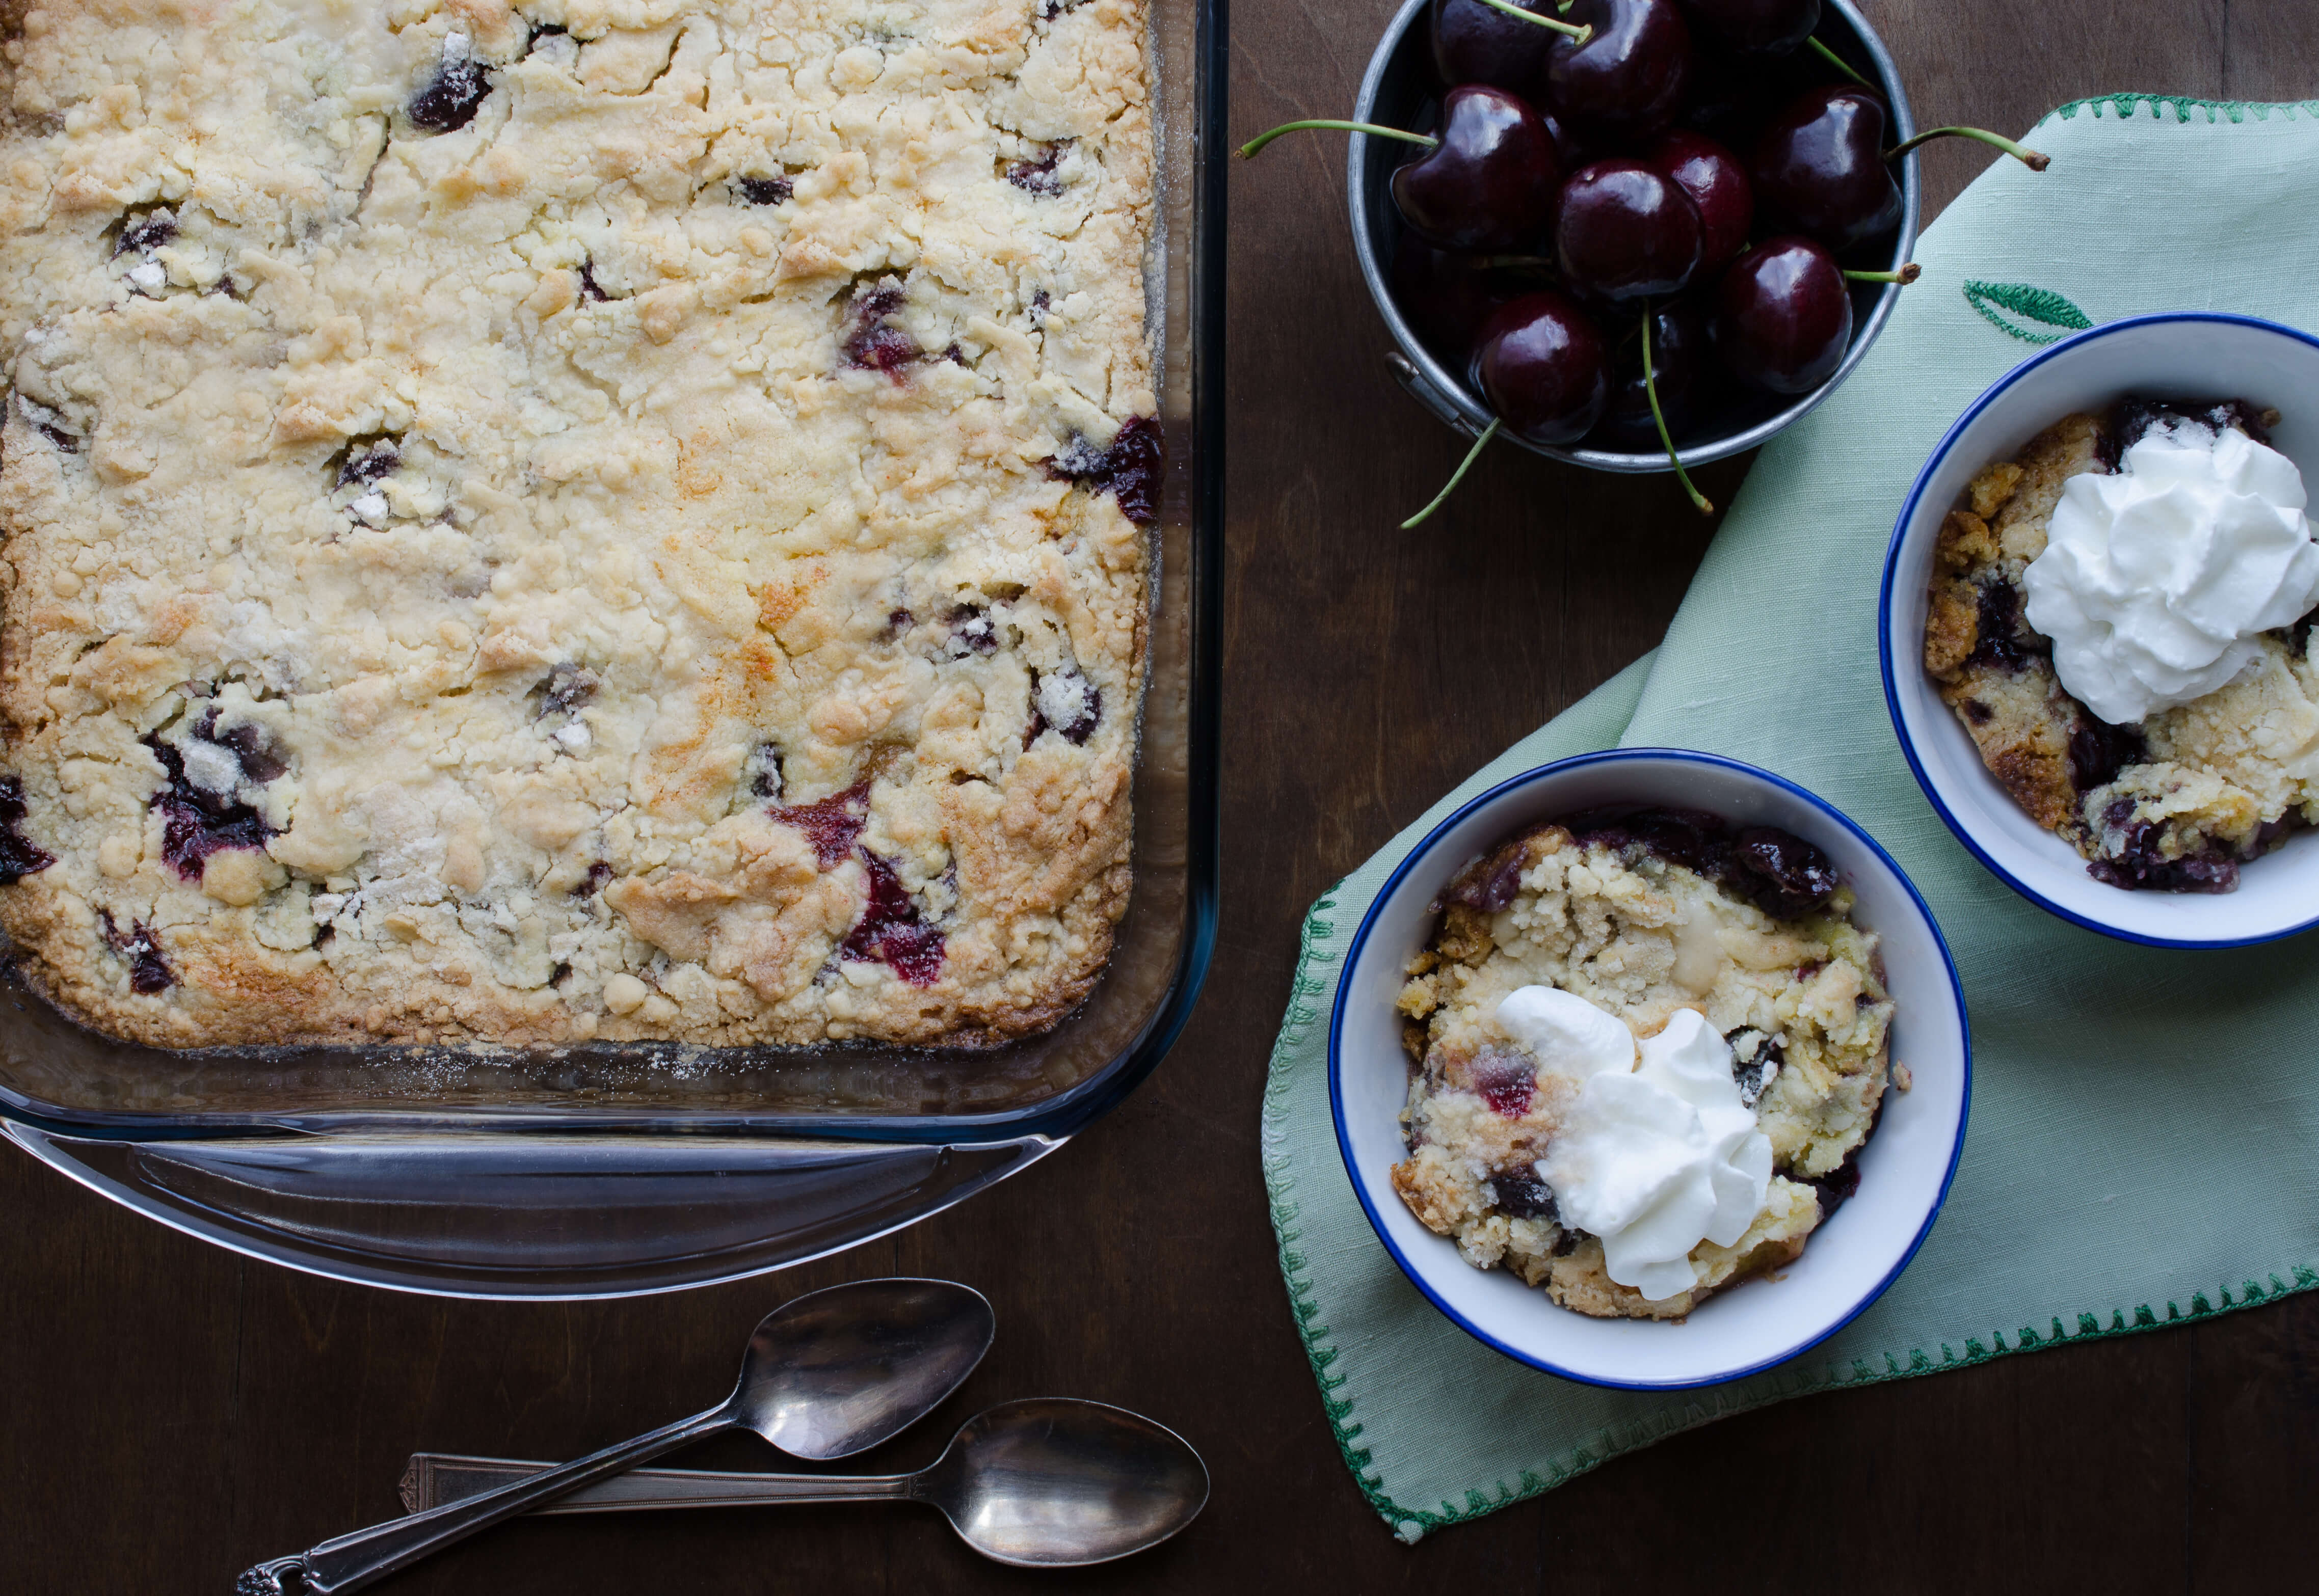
(2144, 1123)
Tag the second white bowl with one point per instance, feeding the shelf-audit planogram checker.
(2190, 353)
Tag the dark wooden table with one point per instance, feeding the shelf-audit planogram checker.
(173, 1412)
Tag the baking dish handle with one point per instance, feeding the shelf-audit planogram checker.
(536, 1216)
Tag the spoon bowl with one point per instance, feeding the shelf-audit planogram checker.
(836, 1372)
(1054, 1483)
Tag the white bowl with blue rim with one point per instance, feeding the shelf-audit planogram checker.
(2188, 355)
(1904, 1168)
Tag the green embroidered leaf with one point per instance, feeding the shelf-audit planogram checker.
(2007, 305)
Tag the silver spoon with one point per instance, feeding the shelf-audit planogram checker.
(831, 1374)
(1048, 1482)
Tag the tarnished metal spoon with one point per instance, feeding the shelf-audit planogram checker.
(829, 1375)
(1048, 1482)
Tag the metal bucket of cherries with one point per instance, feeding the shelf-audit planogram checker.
(1637, 235)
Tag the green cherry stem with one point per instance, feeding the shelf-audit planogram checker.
(1330, 124)
(1580, 32)
(1651, 391)
(1836, 61)
(1458, 475)
(2022, 153)
(1907, 273)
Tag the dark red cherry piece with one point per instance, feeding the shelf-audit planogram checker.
(1446, 297)
(1543, 369)
(1478, 43)
(1624, 230)
(1625, 82)
(1489, 185)
(1783, 316)
(1717, 183)
(1680, 358)
(1818, 167)
(1753, 27)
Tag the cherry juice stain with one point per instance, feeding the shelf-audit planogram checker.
(197, 821)
(1506, 1084)
(874, 342)
(148, 972)
(891, 929)
(831, 825)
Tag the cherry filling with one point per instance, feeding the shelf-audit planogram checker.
(1777, 870)
(565, 689)
(1998, 631)
(148, 972)
(19, 857)
(201, 806)
(1066, 700)
(2131, 420)
(452, 99)
(1520, 1193)
(830, 824)
(2131, 858)
(2099, 751)
(765, 191)
(1785, 875)
(146, 233)
(367, 463)
(1039, 177)
(971, 632)
(1506, 1084)
(891, 929)
(1129, 471)
(874, 342)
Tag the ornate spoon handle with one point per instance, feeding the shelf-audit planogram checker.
(436, 1478)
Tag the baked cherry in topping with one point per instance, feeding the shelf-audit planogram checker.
(764, 191)
(200, 803)
(1999, 639)
(1520, 1193)
(19, 856)
(1039, 178)
(1754, 27)
(1488, 184)
(456, 91)
(1818, 167)
(367, 460)
(763, 770)
(1717, 183)
(890, 929)
(1625, 82)
(2135, 417)
(1543, 368)
(1477, 43)
(1506, 1083)
(971, 631)
(873, 343)
(1756, 1060)
(599, 872)
(1679, 356)
(589, 289)
(1624, 231)
(2132, 857)
(565, 689)
(141, 235)
(1786, 876)
(1129, 470)
(1066, 700)
(148, 971)
(831, 825)
(1783, 316)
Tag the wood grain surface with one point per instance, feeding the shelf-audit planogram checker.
(175, 1413)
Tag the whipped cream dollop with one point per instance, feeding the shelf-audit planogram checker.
(1654, 1158)
(2157, 578)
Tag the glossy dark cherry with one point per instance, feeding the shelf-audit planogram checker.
(1717, 182)
(20, 856)
(1489, 185)
(1446, 297)
(1819, 168)
(1626, 82)
(1478, 43)
(1785, 875)
(1753, 27)
(1623, 230)
(452, 96)
(1783, 316)
(1681, 355)
(1543, 368)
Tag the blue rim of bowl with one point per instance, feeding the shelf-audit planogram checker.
(1884, 625)
(1360, 941)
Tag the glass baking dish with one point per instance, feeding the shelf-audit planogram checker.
(609, 1169)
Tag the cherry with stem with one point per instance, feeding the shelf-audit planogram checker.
(1904, 274)
(1651, 388)
(1579, 32)
(2019, 152)
(1458, 475)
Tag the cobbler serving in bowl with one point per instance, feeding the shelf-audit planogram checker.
(1647, 1048)
(2120, 617)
